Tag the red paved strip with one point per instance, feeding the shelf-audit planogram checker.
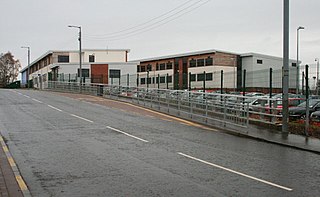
(8, 183)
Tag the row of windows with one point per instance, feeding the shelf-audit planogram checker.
(201, 77)
(65, 58)
(165, 66)
(155, 80)
(261, 62)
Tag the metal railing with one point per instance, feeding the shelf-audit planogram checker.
(207, 108)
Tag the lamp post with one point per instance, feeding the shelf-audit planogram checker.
(317, 88)
(285, 76)
(27, 75)
(80, 53)
(298, 65)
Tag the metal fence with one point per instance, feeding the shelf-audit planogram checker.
(259, 80)
(209, 108)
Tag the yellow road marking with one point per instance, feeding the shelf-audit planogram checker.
(5, 148)
(11, 161)
(21, 183)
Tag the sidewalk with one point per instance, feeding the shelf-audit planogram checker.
(255, 132)
(8, 183)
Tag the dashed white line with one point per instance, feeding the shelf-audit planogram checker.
(26, 96)
(127, 134)
(37, 100)
(55, 108)
(235, 172)
(81, 118)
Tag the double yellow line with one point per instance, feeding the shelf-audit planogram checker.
(14, 168)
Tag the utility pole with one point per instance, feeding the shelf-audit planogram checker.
(317, 88)
(298, 64)
(27, 75)
(285, 80)
(80, 54)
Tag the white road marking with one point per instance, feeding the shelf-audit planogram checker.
(127, 134)
(26, 96)
(37, 100)
(55, 108)
(235, 172)
(81, 118)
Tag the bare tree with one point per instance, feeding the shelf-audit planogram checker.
(9, 69)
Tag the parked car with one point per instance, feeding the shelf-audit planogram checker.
(299, 112)
(315, 116)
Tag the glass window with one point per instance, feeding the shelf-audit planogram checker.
(149, 67)
(143, 68)
(162, 79)
(209, 76)
(162, 66)
(169, 79)
(143, 81)
(209, 61)
(259, 62)
(169, 65)
(138, 68)
(63, 58)
(91, 58)
(192, 63)
(84, 72)
(149, 80)
(193, 77)
(200, 77)
(114, 73)
(200, 62)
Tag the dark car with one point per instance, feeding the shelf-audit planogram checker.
(315, 116)
(299, 112)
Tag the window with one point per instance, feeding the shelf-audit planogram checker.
(169, 65)
(209, 61)
(143, 68)
(149, 80)
(209, 76)
(162, 79)
(162, 66)
(294, 64)
(192, 63)
(84, 72)
(259, 62)
(143, 81)
(138, 68)
(149, 67)
(114, 73)
(193, 77)
(63, 58)
(91, 58)
(157, 66)
(200, 62)
(200, 77)
(169, 79)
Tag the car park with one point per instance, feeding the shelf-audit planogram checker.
(299, 112)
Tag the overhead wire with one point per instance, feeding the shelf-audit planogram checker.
(155, 24)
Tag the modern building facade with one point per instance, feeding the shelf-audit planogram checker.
(211, 69)
(98, 66)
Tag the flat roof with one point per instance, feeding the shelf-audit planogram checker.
(185, 54)
(68, 51)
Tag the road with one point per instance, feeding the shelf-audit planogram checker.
(90, 146)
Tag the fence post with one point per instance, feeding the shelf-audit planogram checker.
(221, 83)
(303, 83)
(120, 80)
(167, 81)
(112, 80)
(158, 81)
(147, 80)
(137, 80)
(204, 81)
(244, 82)
(307, 101)
(69, 78)
(189, 81)
(270, 83)
(128, 80)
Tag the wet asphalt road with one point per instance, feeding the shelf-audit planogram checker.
(68, 147)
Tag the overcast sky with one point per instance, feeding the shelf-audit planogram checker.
(155, 28)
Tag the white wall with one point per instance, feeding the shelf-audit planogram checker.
(100, 56)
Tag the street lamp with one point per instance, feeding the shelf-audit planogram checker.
(298, 66)
(27, 75)
(80, 59)
(317, 60)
